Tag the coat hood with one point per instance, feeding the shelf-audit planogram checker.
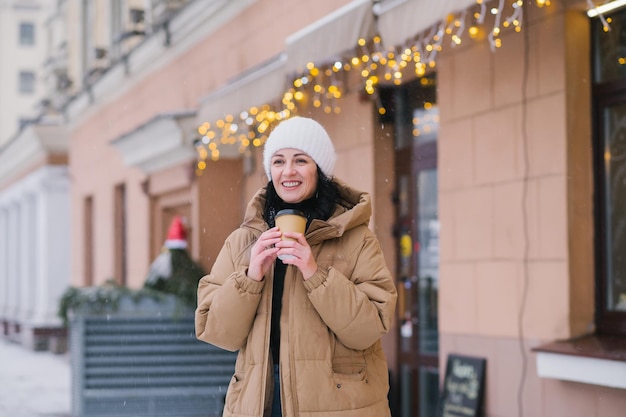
(358, 212)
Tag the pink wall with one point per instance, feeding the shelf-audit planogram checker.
(503, 189)
(516, 211)
(96, 167)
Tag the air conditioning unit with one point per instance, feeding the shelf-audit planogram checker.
(137, 16)
(100, 53)
(63, 82)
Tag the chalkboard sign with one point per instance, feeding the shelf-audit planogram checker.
(463, 387)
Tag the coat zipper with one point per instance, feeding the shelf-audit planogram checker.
(292, 370)
(266, 342)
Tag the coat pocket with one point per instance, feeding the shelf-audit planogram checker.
(234, 390)
(350, 372)
(348, 364)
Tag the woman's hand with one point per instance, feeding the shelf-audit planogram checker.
(263, 253)
(300, 252)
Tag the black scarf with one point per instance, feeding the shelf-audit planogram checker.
(320, 206)
(280, 269)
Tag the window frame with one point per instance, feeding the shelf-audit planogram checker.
(607, 321)
(88, 240)
(22, 82)
(120, 233)
(604, 94)
(21, 34)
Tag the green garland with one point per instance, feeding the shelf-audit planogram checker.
(100, 299)
(182, 283)
(183, 279)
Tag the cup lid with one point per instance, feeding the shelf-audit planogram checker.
(290, 211)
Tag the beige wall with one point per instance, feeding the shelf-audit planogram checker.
(385, 213)
(96, 167)
(514, 176)
(15, 58)
(503, 192)
(218, 198)
(503, 186)
(220, 207)
(516, 211)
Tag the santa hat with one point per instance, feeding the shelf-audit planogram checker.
(176, 236)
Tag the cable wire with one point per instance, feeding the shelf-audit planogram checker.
(525, 175)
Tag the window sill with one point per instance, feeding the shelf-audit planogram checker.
(594, 359)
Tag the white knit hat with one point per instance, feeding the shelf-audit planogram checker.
(306, 135)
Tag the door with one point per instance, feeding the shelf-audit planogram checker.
(417, 235)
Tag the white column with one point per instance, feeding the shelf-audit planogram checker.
(4, 263)
(28, 258)
(12, 262)
(53, 244)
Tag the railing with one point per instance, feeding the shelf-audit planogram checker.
(148, 366)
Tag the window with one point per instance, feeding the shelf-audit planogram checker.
(609, 107)
(27, 34)
(119, 211)
(88, 244)
(414, 113)
(27, 82)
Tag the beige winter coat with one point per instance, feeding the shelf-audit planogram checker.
(331, 360)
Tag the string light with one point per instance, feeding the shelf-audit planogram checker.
(600, 10)
(322, 85)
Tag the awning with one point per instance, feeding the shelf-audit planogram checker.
(401, 20)
(164, 141)
(33, 144)
(327, 38)
(259, 86)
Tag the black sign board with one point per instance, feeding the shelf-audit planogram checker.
(463, 387)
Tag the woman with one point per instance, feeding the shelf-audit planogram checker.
(307, 327)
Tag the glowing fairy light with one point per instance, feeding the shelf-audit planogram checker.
(321, 85)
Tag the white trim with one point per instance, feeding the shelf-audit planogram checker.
(330, 36)
(605, 8)
(163, 142)
(604, 372)
(260, 86)
(32, 144)
(176, 244)
(330, 19)
(386, 5)
(400, 22)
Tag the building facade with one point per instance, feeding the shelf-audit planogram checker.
(34, 182)
(22, 52)
(487, 132)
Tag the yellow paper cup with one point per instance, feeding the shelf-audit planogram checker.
(290, 220)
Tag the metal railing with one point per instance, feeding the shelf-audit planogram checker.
(145, 366)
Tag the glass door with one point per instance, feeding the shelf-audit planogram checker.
(417, 235)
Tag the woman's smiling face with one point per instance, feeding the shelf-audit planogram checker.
(294, 174)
